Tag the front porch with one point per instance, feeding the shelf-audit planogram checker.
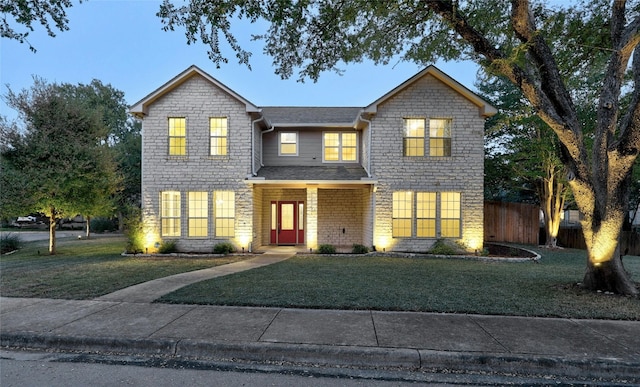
(306, 215)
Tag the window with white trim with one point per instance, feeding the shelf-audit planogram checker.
(177, 136)
(413, 137)
(218, 136)
(224, 213)
(288, 145)
(450, 214)
(198, 214)
(440, 137)
(170, 213)
(340, 147)
(437, 214)
(402, 214)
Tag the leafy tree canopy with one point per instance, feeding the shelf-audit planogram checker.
(19, 16)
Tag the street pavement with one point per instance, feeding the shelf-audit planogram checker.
(365, 339)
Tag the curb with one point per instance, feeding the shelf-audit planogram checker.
(335, 356)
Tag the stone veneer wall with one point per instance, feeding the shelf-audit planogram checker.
(197, 100)
(340, 209)
(462, 172)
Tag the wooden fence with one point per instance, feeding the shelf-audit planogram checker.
(511, 222)
(573, 238)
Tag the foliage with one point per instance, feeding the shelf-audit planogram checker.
(359, 249)
(446, 247)
(60, 159)
(50, 14)
(326, 249)
(224, 248)
(547, 52)
(168, 247)
(103, 225)
(9, 242)
(134, 230)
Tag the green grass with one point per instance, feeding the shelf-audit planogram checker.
(547, 288)
(85, 269)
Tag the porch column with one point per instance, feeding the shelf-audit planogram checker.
(312, 218)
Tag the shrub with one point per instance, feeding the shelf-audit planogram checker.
(326, 249)
(168, 247)
(224, 248)
(9, 242)
(103, 224)
(359, 249)
(446, 247)
(134, 231)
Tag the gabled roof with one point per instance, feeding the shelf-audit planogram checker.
(486, 110)
(140, 108)
(282, 116)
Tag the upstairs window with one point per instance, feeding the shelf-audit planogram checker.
(218, 136)
(340, 146)
(288, 144)
(414, 137)
(440, 137)
(177, 136)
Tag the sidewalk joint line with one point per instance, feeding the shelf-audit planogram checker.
(475, 321)
(375, 331)
(269, 325)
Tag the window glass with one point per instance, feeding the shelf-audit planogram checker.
(218, 134)
(426, 214)
(340, 146)
(402, 214)
(177, 136)
(224, 213)
(440, 137)
(450, 214)
(288, 144)
(170, 213)
(198, 214)
(414, 137)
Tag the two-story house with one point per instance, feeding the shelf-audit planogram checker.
(396, 175)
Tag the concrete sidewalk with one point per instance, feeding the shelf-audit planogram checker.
(330, 338)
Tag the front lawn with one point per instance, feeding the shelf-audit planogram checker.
(547, 288)
(85, 269)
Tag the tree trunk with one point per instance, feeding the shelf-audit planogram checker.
(52, 232)
(88, 234)
(605, 271)
(609, 276)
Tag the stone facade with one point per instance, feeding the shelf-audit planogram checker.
(339, 209)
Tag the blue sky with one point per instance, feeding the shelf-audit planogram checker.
(121, 42)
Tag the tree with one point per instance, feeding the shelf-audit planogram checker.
(59, 159)
(524, 152)
(123, 140)
(518, 40)
(49, 13)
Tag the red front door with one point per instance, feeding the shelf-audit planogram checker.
(287, 222)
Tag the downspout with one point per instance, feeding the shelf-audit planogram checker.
(262, 134)
(368, 143)
(253, 145)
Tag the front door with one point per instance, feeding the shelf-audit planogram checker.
(287, 222)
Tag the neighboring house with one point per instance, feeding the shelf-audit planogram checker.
(397, 174)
